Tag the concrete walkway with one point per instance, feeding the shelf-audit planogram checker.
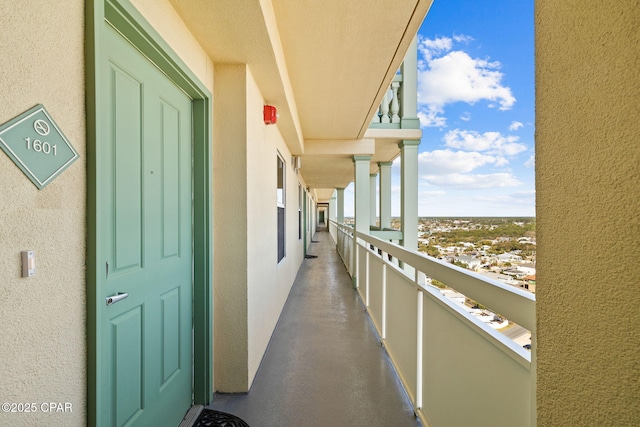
(324, 365)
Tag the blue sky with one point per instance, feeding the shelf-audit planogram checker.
(476, 107)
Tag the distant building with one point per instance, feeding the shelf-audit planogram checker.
(529, 283)
(472, 262)
(508, 257)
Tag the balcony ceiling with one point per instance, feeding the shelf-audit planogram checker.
(324, 64)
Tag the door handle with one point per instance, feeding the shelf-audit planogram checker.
(115, 298)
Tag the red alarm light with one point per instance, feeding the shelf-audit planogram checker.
(270, 115)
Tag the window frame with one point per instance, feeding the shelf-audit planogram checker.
(281, 201)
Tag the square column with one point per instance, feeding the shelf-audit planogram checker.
(333, 208)
(340, 212)
(362, 193)
(409, 96)
(385, 194)
(372, 199)
(409, 193)
(362, 213)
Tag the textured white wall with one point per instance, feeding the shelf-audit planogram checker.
(588, 212)
(250, 286)
(268, 283)
(166, 21)
(42, 342)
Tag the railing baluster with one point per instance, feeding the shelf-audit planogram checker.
(395, 105)
(376, 116)
(384, 107)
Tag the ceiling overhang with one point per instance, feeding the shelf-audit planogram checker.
(324, 65)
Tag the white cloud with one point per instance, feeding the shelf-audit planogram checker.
(447, 76)
(473, 181)
(429, 47)
(430, 117)
(524, 198)
(515, 126)
(435, 193)
(531, 162)
(466, 116)
(458, 77)
(490, 142)
(524, 195)
(461, 38)
(443, 162)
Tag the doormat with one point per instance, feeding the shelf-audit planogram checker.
(198, 416)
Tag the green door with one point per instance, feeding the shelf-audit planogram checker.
(144, 159)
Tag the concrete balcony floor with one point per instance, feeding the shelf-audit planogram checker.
(324, 365)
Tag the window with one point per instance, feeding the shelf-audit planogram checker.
(300, 197)
(281, 204)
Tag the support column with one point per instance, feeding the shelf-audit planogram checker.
(333, 216)
(231, 276)
(385, 194)
(361, 199)
(333, 208)
(409, 193)
(340, 213)
(372, 199)
(409, 96)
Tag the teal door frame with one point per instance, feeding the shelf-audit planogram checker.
(123, 16)
(304, 220)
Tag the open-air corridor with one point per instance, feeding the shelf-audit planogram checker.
(324, 365)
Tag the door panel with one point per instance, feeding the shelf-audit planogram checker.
(127, 341)
(170, 334)
(171, 174)
(126, 173)
(145, 239)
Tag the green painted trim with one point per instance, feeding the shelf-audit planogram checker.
(410, 123)
(384, 126)
(409, 143)
(93, 15)
(361, 158)
(123, 16)
(304, 214)
(203, 252)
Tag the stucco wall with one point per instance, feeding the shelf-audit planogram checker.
(230, 228)
(43, 318)
(250, 286)
(588, 212)
(166, 21)
(269, 283)
(43, 342)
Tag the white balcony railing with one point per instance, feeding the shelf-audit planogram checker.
(455, 368)
(343, 236)
(389, 111)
